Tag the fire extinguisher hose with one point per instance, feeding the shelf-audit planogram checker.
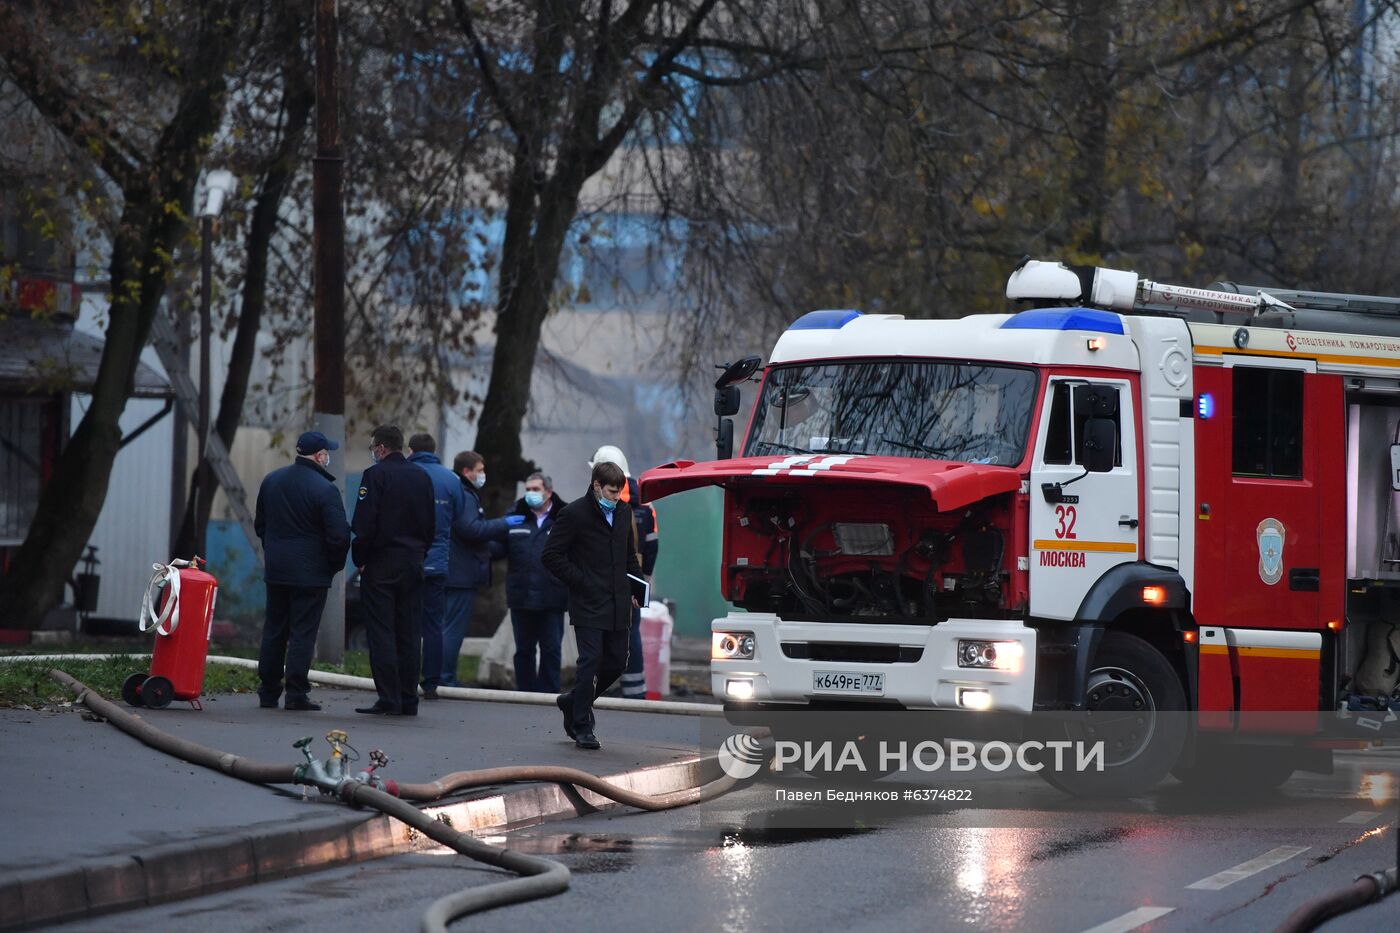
(168, 619)
(541, 877)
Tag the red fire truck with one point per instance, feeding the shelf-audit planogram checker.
(1134, 497)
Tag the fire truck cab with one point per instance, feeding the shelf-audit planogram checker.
(1133, 496)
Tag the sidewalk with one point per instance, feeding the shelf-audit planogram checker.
(107, 822)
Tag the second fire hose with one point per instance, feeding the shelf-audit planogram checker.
(540, 877)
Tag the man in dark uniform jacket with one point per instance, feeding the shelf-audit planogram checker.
(301, 521)
(394, 526)
(536, 600)
(592, 550)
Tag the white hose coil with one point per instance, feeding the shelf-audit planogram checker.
(167, 575)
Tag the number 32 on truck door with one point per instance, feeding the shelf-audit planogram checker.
(1066, 516)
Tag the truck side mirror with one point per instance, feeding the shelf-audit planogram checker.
(1395, 467)
(735, 373)
(724, 439)
(1100, 444)
(727, 401)
(1096, 401)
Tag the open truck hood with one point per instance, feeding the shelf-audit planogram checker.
(950, 485)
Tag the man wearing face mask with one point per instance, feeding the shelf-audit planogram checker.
(537, 601)
(592, 549)
(301, 520)
(475, 541)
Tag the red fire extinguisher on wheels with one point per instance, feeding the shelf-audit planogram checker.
(179, 605)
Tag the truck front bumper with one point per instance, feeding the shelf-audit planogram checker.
(918, 663)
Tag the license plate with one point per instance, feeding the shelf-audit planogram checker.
(847, 682)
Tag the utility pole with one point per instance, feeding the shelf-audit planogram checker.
(328, 241)
(180, 448)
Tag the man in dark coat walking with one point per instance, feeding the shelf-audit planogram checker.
(394, 526)
(634, 680)
(536, 599)
(592, 550)
(301, 521)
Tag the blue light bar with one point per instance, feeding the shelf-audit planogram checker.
(1091, 319)
(828, 319)
(1205, 405)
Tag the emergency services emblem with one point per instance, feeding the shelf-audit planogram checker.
(364, 491)
(1271, 535)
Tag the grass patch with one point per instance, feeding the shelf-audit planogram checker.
(27, 685)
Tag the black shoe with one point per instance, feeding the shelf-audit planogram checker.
(566, 706)
(377, 710)
(407, 712)
(430, 693)
(303, 706)
(265, 703)
(587, 740)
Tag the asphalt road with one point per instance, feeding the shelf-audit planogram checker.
(1038, 861)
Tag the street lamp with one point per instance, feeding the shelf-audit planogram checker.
(218, 185)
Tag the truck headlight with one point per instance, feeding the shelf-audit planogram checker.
(991, 655)
(731, 646)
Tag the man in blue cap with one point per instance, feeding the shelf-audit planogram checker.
(301, 521)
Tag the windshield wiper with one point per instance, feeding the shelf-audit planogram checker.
(921, 448)
(787, 447)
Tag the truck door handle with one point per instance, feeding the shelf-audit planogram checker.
(1304, 579)
(1128, 522)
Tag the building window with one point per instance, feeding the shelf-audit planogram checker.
(1268, 422)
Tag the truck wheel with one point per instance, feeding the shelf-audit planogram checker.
(1219, 767)
(1135, 706)
(131, 689)
(157, 692)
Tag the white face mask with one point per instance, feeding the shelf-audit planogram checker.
(324, 459)
(479, 480)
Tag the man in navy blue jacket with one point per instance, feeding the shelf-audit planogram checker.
(450, 501)
(301, 521)
(393, 527)
(476, 539)
(536, 599)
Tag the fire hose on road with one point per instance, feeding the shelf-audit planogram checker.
(1364, 890)
(541, 877)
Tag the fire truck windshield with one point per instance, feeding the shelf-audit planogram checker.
(967, 412)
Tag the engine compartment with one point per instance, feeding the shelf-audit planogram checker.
(851, 553)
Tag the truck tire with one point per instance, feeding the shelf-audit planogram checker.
(1136, 706)
(1219, 767)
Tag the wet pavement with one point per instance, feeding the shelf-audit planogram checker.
(1043, 861)
(79, 789)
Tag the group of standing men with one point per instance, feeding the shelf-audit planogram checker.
(424, 547)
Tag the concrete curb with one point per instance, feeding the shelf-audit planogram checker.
(329, 679)
(212, 863)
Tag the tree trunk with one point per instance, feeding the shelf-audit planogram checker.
(1091, 91)
(139, 270)
(299, 99)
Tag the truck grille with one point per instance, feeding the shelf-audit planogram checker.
(867, 654)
